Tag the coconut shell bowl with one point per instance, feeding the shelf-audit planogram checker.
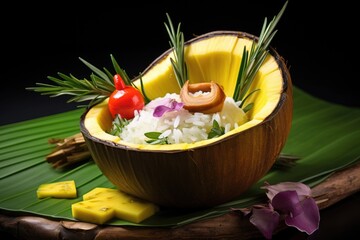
(207, 172)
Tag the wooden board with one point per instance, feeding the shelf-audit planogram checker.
(229, 226)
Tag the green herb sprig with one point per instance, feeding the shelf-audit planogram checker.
(216, 130)
(177, 43)
(252, 61)
(155, 138)
(95, 90)
(118, 125)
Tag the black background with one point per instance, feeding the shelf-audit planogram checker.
(317, 39)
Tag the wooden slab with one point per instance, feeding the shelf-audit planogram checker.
(229, 226)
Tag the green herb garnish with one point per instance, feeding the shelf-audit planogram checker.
(216, 130)
(252, 61)
(95, 90)
(118, 124)
(177, 43)
(155, 138)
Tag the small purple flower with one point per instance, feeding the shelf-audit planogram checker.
(167, 105)
(300, 212)
(265, 219)
(290, 201)
(300, 188)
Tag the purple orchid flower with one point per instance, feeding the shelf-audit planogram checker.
(295, 202)
(167, 105)
(290, 201)
(265, 218)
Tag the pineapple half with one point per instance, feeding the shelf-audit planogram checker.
(208, 172)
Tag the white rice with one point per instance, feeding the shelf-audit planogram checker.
(181, 126)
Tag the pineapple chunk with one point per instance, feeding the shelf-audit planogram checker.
(65, 189)
(100, 203)
(94, 211)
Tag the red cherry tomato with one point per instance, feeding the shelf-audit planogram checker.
(125, 99)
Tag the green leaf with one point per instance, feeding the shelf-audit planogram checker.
(155, 138)
(325, 137)
(153, 135)
(216, 130)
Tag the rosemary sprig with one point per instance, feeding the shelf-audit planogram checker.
(118, 125)
(177, 43)
(95, 90)
(252, 61)
(81, 90)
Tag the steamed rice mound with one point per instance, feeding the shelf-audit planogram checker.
(181, 126)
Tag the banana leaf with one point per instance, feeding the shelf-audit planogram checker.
(325, 136)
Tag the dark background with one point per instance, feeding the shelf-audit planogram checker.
(317, 40)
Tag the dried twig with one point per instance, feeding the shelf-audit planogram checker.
(68, 151)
